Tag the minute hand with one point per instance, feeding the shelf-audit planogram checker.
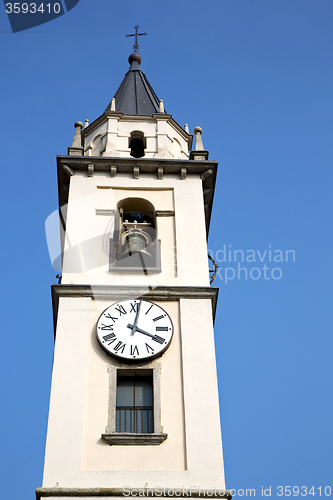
(158, 339)
(134, 328)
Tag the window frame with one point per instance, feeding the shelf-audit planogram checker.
(125, 438)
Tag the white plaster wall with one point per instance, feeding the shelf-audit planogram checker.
(192, 454)
(127, 126)
(96, 453)
(68, 391)
(183, 237)
(202, 417)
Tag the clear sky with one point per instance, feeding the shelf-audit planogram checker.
(257, 76)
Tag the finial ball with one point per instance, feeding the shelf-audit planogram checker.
(134, 57)
(197, 129)
(78, 124)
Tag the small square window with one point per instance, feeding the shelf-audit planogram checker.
(134, 405)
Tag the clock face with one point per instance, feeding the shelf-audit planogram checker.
(134, 330)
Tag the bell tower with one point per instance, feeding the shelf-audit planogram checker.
(134, 401)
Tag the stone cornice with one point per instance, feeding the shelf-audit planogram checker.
(125, 165)
(109, 292)
(119, 492)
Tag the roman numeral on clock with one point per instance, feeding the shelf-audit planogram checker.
(134, 350)
(150, 350)
(119, 347)
(134, 307)
(149, 309)
(158, 339)
(111, 337)
(161, 328)
(106, 327)
(159, 317)
(108, 315)
(121, 310)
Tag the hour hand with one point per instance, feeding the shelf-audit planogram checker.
(157, 338)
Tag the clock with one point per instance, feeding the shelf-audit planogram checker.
(134, 330)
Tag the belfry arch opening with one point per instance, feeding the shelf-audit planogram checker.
(135, 244)
(137, 144)
(137, 217)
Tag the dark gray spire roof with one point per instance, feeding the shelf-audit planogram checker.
(135, 95)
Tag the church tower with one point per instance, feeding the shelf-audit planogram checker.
(134, 405)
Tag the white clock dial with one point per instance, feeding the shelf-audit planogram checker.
(134, 330)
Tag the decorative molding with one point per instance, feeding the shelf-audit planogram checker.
(119, 492)
(68, 170)
(113, 171)
(90, 170)
(199, 155)
(147, 165)
(110, 292)
(206, 174)
(136, 172)
(165, 213)
(126, 292)
(105, 211)
(183, 173)
(75, 151)
(160, 173)
(123, 439)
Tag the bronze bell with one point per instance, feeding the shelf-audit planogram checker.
(135, 241)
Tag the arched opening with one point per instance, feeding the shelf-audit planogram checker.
(97, 145)
(135, 244)
(137, 144)
(176, 148)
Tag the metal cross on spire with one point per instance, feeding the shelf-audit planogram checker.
(136, 34)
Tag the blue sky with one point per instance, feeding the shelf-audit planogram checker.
(257, 76)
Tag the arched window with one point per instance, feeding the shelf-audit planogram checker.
(135, 246)
(137, 143)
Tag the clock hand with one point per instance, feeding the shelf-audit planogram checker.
(134, 328)
(158, 339)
